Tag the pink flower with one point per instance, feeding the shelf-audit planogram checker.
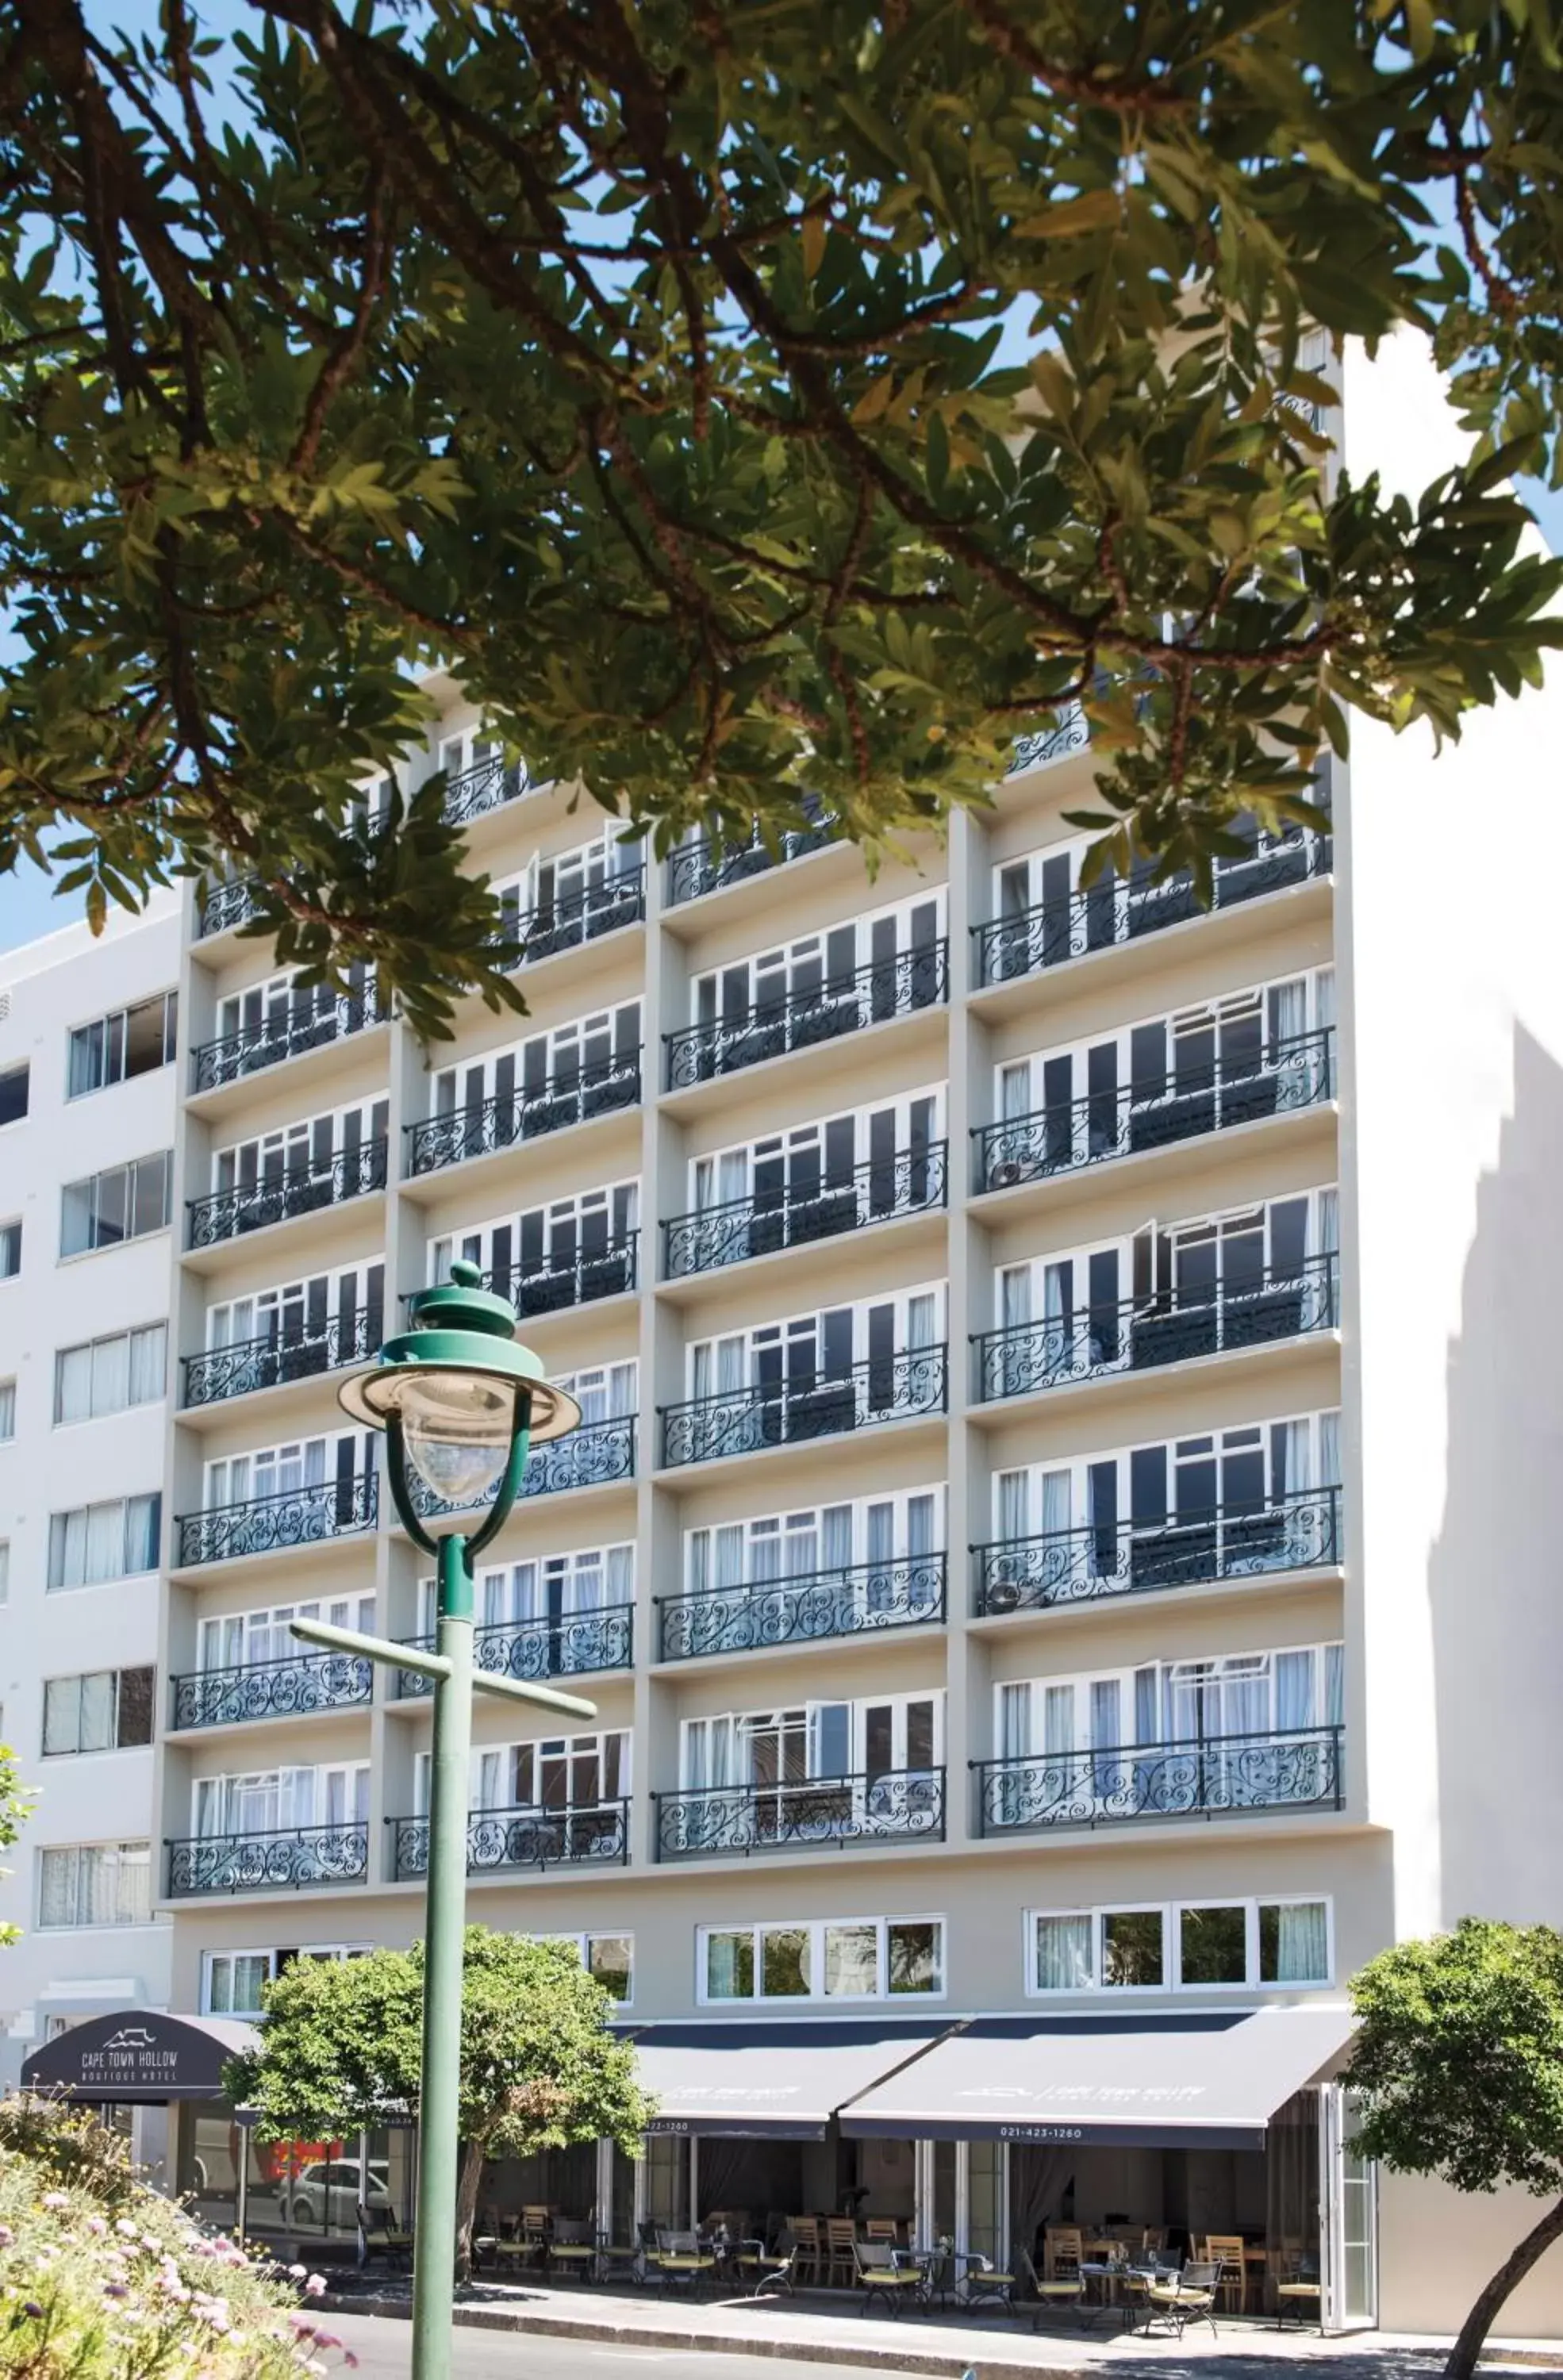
(96, 2225)
(315, 2286)
(55, 2198)
(325, 2339)
(297, 2272)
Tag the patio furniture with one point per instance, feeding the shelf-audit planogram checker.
(883, 2227)
(988, 2283)
(1226, 2252)
(937, 2270)
(773, 2267)
(381, 2235)
(1298, 2291)
(808, 2249)
(573, 2250)
(840, 2251)
(1182, 2298)
(615, 2258)
(1062, 2293)
(685, 2262)
(1063, 2251)
(882, 2271)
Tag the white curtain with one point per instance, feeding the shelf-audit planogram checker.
(1056, 1503)
(74, 1392)
(1013, 1506)
(922, 1321)
(1063, 1954)
(1289, 1013)
(1015, 1720)
(1015, 1092)
(709, 1753)
(1295, 1705)
(1303, 1945)
(1334, 1686)
(1324, 1243)
(1014, 1289)
(619, 1575)
(1329, 1448)
(728, 1547)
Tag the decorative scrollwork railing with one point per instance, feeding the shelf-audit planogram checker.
(232, 902)
(513, 1116)
(606, 1272)
(309, 1021)
(704, 866)
(252, 1205)
(884, 1388)
(1063, 1567)
(593, 1456)
(269, 1524)
(726, 1821)
(1116, 909)
(265, 1362)
(488, 786)
(530, 1650)
(1212, 1776)
(571, 919)
(877, 1190)
(1171, 1327)
(1069, 733)
(1121, 1123)
(905, 1592)
(596, 1836)
(769, 1028)
(316, 1682)
(286, 1856)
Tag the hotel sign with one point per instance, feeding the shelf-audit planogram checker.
(134, 2055)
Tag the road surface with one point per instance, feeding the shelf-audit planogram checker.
(383, 2348)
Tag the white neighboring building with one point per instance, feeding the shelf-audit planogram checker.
(88, 1091)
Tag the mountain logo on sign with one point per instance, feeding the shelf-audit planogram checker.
(130, 2036)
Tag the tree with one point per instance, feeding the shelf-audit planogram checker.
(1458, 2064)
(740, 403)
(341, 2046)
(16, 1808)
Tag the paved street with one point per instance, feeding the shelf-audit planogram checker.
(382, 2348)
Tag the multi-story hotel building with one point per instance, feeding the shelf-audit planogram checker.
(1058, 1536)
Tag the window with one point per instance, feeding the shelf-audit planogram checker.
(108, 1375)
(4, 1570)
(576, 1604)
(95, 1884)
(566, 1772)
(103, 1541)
(7, 1410)
(106, 1710)
(232, 1981)
(13, 1094)
(870, 1958)
(575, 1248)
(1200, 1946)
(10, 1250)
(609, 1959)
(122, 1204)
(130, 1041)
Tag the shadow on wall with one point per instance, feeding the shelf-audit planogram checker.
(1496, 1570)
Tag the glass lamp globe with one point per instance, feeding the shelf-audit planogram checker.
(456, 1431)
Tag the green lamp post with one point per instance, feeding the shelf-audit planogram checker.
(461, 1401)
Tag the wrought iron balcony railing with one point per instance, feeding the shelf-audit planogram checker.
(305, 1025)
(1115, 909)
(269, 1524)
(276, 1860)
(250, 1206)
(1063, 1567)
(593, 1456)
(727, 1821)
(905, 1592)
(533, 1649)
(1121, 1122)
(592, 1273)
(597, 1837)
(1208, 1777)
(571, 919)
(233, 902)
(486, 788)
(1069, 733)
(706, 866)
(1137, 1333)
(739, 1421)
(266, 1362)
(513, 1116)
(792, 1217)
(316, 1682)
(800, 1020)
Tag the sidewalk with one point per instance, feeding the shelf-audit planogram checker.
(991, 2347)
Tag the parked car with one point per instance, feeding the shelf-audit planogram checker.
(327, 2196)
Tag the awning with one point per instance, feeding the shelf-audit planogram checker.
(766, 2081)
(138, 2056)
(1207, 2079)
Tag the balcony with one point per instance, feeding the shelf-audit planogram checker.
(593, 1456)
(252, 1205)
(1069, 733)
(269, 1524)
(896, 1805)
(267, 1362)
(1136, 1334)
(1067, 1567)
(533, 1650)
(907, 1592)
(221, 905)
(305, 1021)
(606, 1272)
(793, 1215)
(573, 920)
(1126, 1121)
(802, 1019)
(515, 1116)
(884, 1388)
(499, 1842)
(1209, 1777)
(287, 1857)
(706, 866)
(1116, 909)
(316, 1682)
(474, 791)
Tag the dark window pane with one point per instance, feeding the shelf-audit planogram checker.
(13, 1094)
(1131, 1946)
(1214, 1946)
(135, 1707)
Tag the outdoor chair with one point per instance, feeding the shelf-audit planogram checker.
(988, 2283)
(772, 2268)
(1185, 2297)
(1298, 2291)
(685, 2262)
(880, 2272)
(807, 2249)
(883, 2226)
(1063, 2251)
(573, 2250)
(937, 2279)
(841, 2246)
(1225, 2251)
(381, 2236)
(1056, 2294)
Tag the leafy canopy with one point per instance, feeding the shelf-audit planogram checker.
(1459, 2060)
(16, 1807)
(654, 371)
(342, 2047)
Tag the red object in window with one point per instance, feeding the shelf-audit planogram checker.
(285, 2160)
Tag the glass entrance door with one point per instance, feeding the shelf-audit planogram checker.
(1349, 2197)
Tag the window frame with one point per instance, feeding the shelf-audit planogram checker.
(1172, 1913)
(80, 1679)
(89, 1347)
(23, 1066)
(75, 1851)
(62, 1586)
(169, 1001)
(90, 1183)
(10, 1237)
(816, 1929)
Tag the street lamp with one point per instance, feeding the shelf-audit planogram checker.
(460, 1402)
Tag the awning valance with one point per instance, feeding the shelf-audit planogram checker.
(139, 2056)
(1210, 2078)
(766, 2081)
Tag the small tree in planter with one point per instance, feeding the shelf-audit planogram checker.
(341, 2046)
(1459, 2067)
